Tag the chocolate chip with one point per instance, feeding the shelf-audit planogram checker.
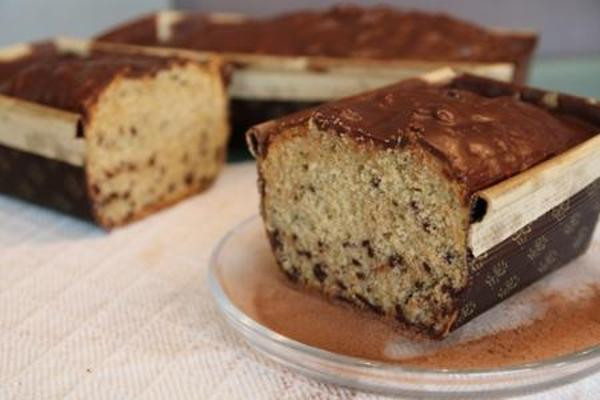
(367, 244)
(152, 160)
(341, 285)
(110, 198)
(426, 226)
(275, 239)
(305, 253)
(312, 188)
(360, 275)
(319, 273)
(293, 274)
(400, 314)
(79, 132)
(395, 260)
(356, 262)
(375, 181)
(426, 267)
(305, 167)
(448, 289)
(346, 244)
(189, 178)
(95, 189)
(375, 308)
(133, 131)
(449, 257)
(414, 206)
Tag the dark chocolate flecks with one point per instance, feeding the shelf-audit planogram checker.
(396, 260)
(319, 272)
(367, 245)
(373, 307)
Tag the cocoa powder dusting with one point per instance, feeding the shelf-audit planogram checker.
(568, 325)
(309, 318)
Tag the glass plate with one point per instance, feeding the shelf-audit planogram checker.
(236, 260)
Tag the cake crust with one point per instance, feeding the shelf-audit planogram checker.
(461, 123)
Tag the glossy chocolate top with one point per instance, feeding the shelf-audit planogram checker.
(342, 31)
(72, 82)
(482, 137)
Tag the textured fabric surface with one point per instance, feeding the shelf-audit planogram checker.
(90, 315)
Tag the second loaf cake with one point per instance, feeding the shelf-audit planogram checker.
(150, 129)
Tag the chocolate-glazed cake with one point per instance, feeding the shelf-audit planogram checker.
(293, 61)
(109, 135)
(383, 199)
(347, 31)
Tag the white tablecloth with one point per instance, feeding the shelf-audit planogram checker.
(90, 315)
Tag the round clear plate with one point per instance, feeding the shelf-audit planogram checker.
(235, 259)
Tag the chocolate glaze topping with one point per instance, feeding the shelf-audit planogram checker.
(38, 51)
(483, 139)
(69, 81)
(345, 31)
(351, 31)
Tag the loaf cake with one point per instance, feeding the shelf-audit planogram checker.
(343, 31)
(109, 135)
(373, 199)
(292, 61)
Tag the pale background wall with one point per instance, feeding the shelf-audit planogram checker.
(24, 20)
